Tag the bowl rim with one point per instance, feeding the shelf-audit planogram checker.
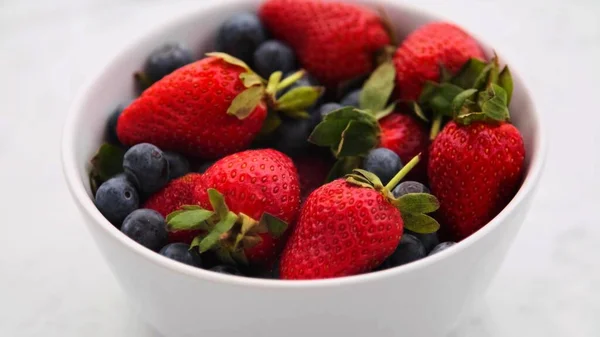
(85, 203)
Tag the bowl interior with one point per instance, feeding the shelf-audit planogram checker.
(85, 129)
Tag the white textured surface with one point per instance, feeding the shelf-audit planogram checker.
(54, 283)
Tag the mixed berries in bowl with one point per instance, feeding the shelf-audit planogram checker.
(307, 141)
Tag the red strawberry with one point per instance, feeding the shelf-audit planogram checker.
(251, 197)
(177, 193)
(407, 137)
(334, 41)
(351, 226)
(419, 57)
(210, 108)
(476, 161)
(474, 170)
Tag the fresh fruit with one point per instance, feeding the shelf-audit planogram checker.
(429, 240)
(178, 165)
(407, 137)
(291, 137)
(350, 226)
(106, 163)
(422, 54)
(326, 108)
(208, 109)
(332, 40)
(146, 166)
(240, 35)
(147, 227)
(116, 198)
(352, 99)
(475, 170)
(384, 163)
(312, 172)
(172, 197)
(273, 56)
(163, 61)
(409, 249)
(181, 252)
(407, 187)
(252, 197)
(442, 246)
(476, 161)
(111, 126)
(226, 269)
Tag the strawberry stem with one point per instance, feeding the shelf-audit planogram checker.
(435, 126)
(290, 80)
(403, 172)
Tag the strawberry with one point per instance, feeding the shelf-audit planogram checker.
(476, 161)
(421, 55)
(245, 205)
(350, 226)
(177, 193)
(407, 137)
(208, 109)
(334, 41)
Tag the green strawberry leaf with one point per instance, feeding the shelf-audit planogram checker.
(189, 219)
(461, 100)
(251, 79)
(493, 103)
(230, 59)
(273, 82)
(359, 181)
(297, 114)
(225, 255)
(342, 167)
(420, 223)
(438, 97)
(246, 101)
(357, 139)
(108, 161)
(218, 203)
(225, 224)
(196, 241)
(445, 74)
(190, 207)
(469, 73)
(506, 82)
(239, 257)
(417, 203)
(467, 118)
(329, 131)
(288, 81)
(419, 112)
(275, 225)
(251, 241)
(372, 178)
(378, 88)
(385, 112)
(300, 98)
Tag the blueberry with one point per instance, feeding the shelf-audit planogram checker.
(383, 162)
(181, 252)
(166, 59)
(409, 249)
(204, 166)
(116, 198)
(226, 269)
(111, 127)
(351, 99)
(147, 227)
(146, 166)
(291, 137)
(240, 35)
(407, 187)
(326, 108)
(178, 165)
(429, 240)
(273, 56)
(442, 246)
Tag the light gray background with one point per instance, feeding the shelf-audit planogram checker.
(54, 283)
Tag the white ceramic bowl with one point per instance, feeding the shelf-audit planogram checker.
(424, 298)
